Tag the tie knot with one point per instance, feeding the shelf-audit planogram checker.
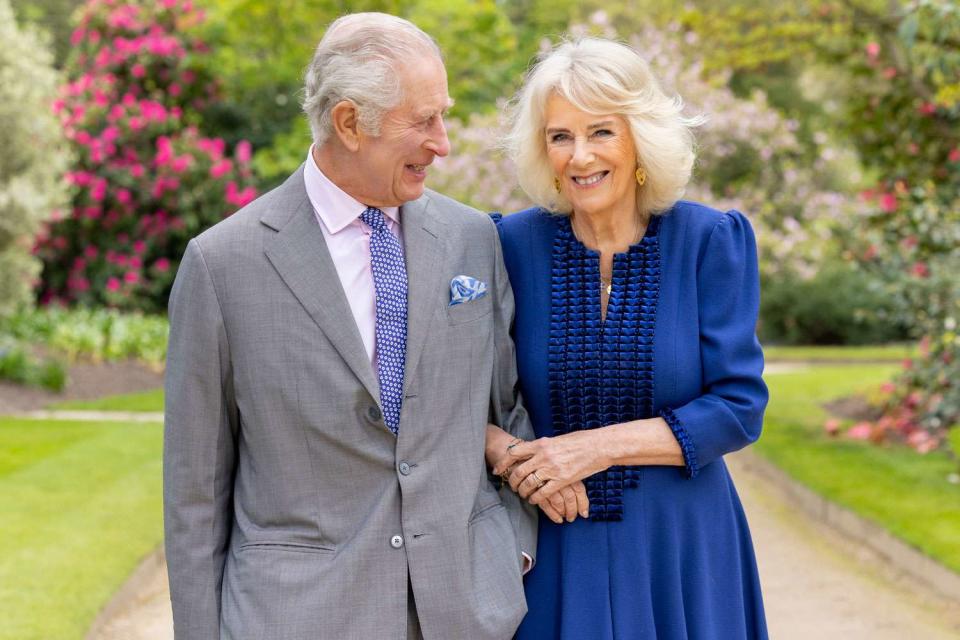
(373, 218)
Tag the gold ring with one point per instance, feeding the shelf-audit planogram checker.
(540, 482)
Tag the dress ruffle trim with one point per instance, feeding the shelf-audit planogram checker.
(686, 443)
(601, 372)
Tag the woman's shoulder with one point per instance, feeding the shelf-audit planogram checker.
(697, 220)
(525, 225)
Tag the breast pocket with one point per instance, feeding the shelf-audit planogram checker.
(470, 311)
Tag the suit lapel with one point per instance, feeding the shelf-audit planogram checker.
(299, 254)
(426, 280)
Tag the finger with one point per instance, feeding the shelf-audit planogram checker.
(569, 497)
(543, 493)
(527, 486)
(558, 505)
(521, 472)
(583, 502)
(551, 513)
(509, 460)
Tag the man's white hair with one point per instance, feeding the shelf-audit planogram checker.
(359, 59)
(603, 77)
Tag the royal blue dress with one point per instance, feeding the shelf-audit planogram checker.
(666, 553)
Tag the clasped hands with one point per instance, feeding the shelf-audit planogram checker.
(549, 472)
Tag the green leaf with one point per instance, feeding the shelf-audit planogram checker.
(908, 30)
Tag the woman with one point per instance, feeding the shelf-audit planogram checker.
(637, 357)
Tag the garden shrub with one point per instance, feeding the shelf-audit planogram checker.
(32, 158)
(840, 305)
(145, 179)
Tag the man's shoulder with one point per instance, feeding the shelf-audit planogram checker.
(453, 211)
(246, 225)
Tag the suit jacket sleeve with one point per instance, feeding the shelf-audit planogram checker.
(729, 414)
(506, 407)
(199, 450)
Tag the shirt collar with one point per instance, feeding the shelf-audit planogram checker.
(335, 207)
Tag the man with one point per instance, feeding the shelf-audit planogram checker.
(336, 350)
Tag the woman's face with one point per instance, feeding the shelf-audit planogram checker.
(593, 156)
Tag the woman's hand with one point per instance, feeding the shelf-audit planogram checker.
(565, 504)
(540, 469)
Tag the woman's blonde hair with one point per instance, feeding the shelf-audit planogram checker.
(603, 77)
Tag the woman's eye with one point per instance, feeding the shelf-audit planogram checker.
(559, 137)
(603, 133)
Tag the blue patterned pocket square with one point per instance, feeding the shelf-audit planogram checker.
(464, 289)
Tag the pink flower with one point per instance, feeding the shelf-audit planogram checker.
(91, 252)
(162, 265)
(954, 155)
(137, 171)
(239, 198)
(174, 89)
(221, 168)
(888, 388)
(123, 196)
(243, 152)
(922, 441)
(920, 269)
(135, 262)
(888, 202)
(871, 252)
(890, 73)
(832, 427)
(113, 284)
(860, 431)
(131, 277)
(77, 36)
(139, 246)
(873, 50)
(138, 70)
(181, 163)
(928, 108)
(99, 190)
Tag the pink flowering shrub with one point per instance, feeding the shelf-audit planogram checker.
(145, 179)
(902, 97)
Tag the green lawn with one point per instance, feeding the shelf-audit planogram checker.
(145, 401)
(80, 507)
(870, 353)
(903, 491)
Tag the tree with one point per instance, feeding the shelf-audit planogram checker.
(145, 179)
(34, 156)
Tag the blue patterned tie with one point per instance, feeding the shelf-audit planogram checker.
(390, 283)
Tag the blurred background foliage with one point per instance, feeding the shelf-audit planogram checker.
(833, 124)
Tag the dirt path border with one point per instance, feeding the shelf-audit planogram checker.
(901, 557)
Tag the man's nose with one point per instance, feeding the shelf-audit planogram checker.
(438, 142)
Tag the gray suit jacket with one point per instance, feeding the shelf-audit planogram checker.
(291, 511)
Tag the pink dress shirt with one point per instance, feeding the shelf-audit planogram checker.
(348, 240)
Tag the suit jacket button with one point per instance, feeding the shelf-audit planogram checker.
(404, 468)
(373, 412)
(396, 542)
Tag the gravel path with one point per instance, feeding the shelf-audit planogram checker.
(816, 585)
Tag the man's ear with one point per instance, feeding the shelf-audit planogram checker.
(345, 122)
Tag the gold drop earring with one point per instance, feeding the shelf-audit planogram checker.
(641, 176)
(556, 183)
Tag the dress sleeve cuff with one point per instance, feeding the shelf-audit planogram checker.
(691, 468)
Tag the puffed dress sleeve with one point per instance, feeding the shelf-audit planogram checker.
(729, 414)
